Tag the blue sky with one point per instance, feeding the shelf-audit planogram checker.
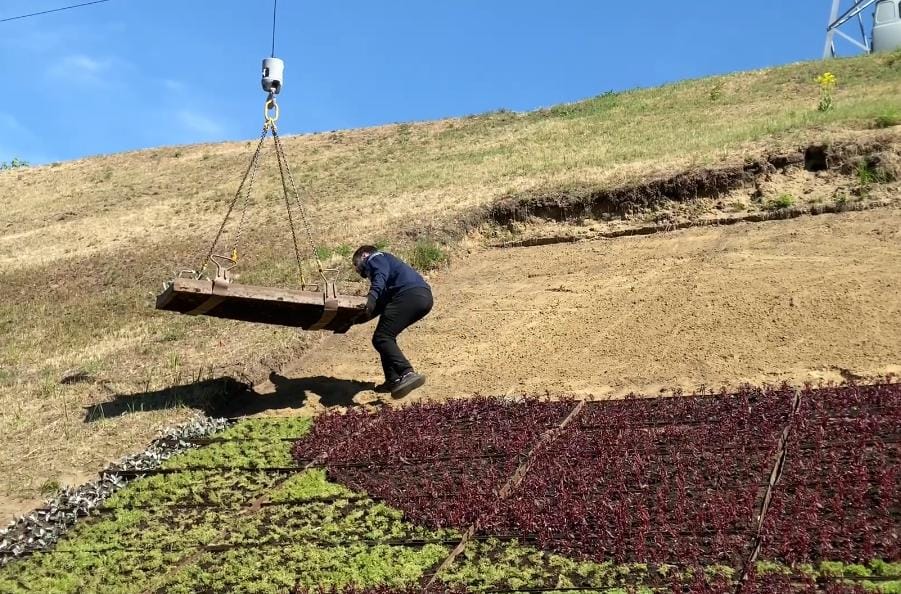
(133, 74)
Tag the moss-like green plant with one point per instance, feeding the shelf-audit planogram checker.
(78, 572)
(275, 570)
(207, 487)
(235, 454)
(308, 485)
(268, 429)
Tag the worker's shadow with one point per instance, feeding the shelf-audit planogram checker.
(293, 393)
(228, 397)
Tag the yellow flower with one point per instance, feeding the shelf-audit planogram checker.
(827, 80)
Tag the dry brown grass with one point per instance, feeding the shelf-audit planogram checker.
(85, 245)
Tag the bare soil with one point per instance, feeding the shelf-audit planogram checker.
(805, 300)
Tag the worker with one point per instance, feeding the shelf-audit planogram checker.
(400, 297)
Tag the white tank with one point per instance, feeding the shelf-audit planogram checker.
(887, 26)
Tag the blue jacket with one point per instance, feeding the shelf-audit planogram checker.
(390, 276)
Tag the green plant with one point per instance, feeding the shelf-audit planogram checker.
(16, 163)
(887, 121)
(49, 487)
(207, 487)
(324, 252)
(893, 59)
(783, 201)
(235, 454)
(827, 82)
(268, 429)
(310, 484)
(716, 91)
(427, 255)
(868, 174)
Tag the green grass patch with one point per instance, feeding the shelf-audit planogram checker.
(427, 255)
(781, 202)
(888, 120)
(869, 173)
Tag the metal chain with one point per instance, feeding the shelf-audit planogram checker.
(281, 171)
(234, 201)
(248, 181)
(253, 170)
(303, 214)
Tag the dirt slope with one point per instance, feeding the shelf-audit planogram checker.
(85, 245)
(808, 299)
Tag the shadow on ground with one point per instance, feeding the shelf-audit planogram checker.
(228, 397)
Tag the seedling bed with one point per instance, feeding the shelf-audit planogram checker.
(189, 487)
(279, 470)
(160, 528)
(473, 483)
(499, 565)
(639, 493)
(119, 572)
(848, 506)
(280, 569)
(235, 454)
(269, 428)
(334, 524)
(426, 431)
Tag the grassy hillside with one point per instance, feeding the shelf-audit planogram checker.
(85, 245)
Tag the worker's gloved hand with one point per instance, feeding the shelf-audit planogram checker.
(367, 313)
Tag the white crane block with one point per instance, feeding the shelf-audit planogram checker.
(273, 75)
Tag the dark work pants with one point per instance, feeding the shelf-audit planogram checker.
(402, 311)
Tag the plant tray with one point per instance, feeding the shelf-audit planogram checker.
(308, 310)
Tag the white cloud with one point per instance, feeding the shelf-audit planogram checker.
(204, 126)
(173, 85)
(85, 70)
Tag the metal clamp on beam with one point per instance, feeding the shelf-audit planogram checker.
(329, 307)
(219, 284)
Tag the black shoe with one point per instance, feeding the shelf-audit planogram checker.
(385, 387)
(409, 382)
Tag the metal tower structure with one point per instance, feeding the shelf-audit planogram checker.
(841, 20)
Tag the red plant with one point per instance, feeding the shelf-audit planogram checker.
(669, 480)
(839, 491)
